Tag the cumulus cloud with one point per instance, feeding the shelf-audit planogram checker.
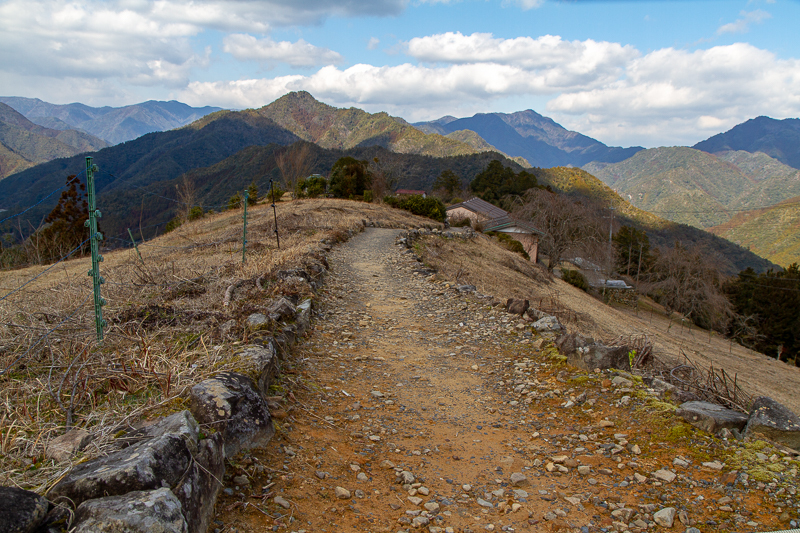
(686, 93)
(524, 4)
(742, 25)
(299, 54)
(564, 63)
(373, 43)
(666, 95)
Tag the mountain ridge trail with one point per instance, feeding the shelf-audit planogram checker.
(412, 405)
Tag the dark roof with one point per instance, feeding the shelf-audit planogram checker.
(481, 207)
(504, 222)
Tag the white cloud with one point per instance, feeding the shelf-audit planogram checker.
(563, 63)
(742, 25)
(373, 43)
(665, 96)
(299, 54)
(524, 4)
(678, 93)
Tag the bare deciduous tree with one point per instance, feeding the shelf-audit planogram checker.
(294, 163)
(569, 226)
(187, 196)
(686, 280)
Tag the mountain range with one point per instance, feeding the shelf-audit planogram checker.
(540, 140)
(24, 144)
(112, 124)
(682, 184)
(697, 188)
(779, 139)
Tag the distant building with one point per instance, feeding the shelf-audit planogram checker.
(498, 220)
(410, 192)
(523, 232)
(476, 210)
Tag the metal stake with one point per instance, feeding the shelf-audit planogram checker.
(94, 240)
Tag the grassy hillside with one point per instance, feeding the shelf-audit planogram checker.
(773, 233)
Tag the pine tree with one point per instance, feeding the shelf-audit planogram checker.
(65, 228)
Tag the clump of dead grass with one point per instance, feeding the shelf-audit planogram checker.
(164, 314)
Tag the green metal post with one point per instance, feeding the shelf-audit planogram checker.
(244, 230)
(95, 237)
(134, 246)
(275, 214)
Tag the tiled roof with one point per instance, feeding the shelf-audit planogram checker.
(504, 222)
(481, 207)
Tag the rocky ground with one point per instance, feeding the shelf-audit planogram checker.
(412, 405)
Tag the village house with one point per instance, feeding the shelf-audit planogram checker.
(498, 220)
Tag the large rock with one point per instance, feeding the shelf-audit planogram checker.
(303, 317)
(587, 354)
(516, 306)
(21, 511)
(231, 404)
(774, 421)
(260, 362)
(548, 324)
(62, 448)
(711, 417)
(282, 308)
(158, 455)
(199, 488)
(152, 511)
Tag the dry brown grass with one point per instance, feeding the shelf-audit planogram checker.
(503, 274)
(163, 333)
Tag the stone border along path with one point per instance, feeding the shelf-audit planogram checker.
(414, 406)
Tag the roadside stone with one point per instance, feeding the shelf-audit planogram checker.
(62, 448)
(548, 324)
(711, 417)
(774, 421)
(164, 457)
(21, 511)
(342, 493)
(713, 465)
(665, 517)
(516, 306)
(283, 502)
(518, 479)
(585, 353)
(230, 403)
(153, 511)
(664, 475)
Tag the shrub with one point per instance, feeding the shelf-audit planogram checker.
(311, 187)
(368, 196)
(426, 207)
(510, 243)
(461, 222)
(196, 212)
(173, 224)
(235, 202)
(575, 278)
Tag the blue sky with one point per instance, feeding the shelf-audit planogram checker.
(648, 73)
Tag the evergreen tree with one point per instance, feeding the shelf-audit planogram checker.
(350, 178)
(632, 245)
(65, 228)
(497, 181)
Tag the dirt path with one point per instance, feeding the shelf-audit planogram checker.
(412, 405)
